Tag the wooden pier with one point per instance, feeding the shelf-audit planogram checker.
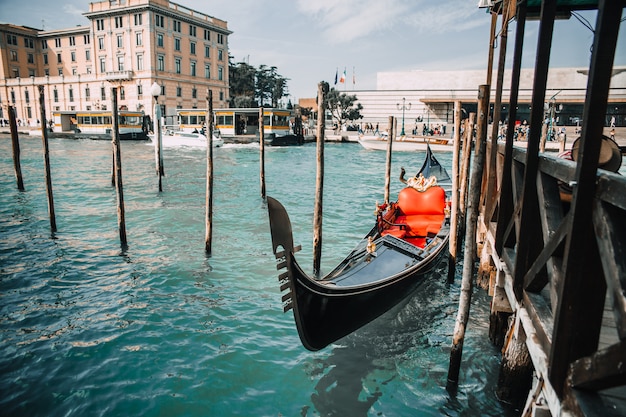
(552, 240)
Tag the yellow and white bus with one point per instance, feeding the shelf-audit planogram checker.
(131, 124)
(237, 121)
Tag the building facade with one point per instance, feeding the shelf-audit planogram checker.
(128, 44)
(427, 97)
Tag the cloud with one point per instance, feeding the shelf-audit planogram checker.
(348, 20)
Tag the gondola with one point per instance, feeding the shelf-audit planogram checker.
(407, 242)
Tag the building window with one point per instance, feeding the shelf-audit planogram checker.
(162, 93)
(220, 54)
(60, 71)
(207, 35)
(59, 60)
(26, 96)
(13, 96)
(160, 40)
(86, 39)
(74, 70)
(192, 48)
(159, 21)
(122, 93)
(88, 69)
(138, 19)
(120, 63)
(57, 42)
(44, 44)
(99, 24)
(220, 73)
(55, 95)
(207, 51)
(87, 93)
(194, 93)
(220, 38)
(139, 38)
(193, 69)
(28, 43)
(12, 40)
(139, 62)
(177, 65)
(103, 65)
(101, 43)
(72, 40)
(179, 92)
(73, 56)
(120, 41)
(29, 112)
(176, 44)
(16, 73)
(119, 22)
(71, 94)
(46, 71)
(176, 27)
(161, 63)
(13, 55)
(139, 90)
(192, 30)
(207, 71)
(103, 93)
(87, 54)
(45, 59)
(31, 58)
(31, 72)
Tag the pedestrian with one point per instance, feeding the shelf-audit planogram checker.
(612, 133)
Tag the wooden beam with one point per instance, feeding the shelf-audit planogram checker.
(602, 370)
(581, 297)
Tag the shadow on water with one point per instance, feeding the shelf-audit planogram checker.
(407, 347)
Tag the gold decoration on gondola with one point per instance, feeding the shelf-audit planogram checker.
(421, 183)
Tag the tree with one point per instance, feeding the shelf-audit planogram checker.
(252, 87)
(342, 107)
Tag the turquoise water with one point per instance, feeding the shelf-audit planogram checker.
(160, 329)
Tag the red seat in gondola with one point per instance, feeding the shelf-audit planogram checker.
(418, 214)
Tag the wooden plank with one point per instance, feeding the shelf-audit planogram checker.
(604, 369)
(610, 227)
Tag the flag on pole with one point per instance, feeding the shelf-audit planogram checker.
(336, 75)
(343, 77)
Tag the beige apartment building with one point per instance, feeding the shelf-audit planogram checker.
(128, 44)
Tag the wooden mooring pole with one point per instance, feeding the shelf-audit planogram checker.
(322, 90)
(46, 160)
(155, 90)
(465, 167)
(262, 152)
(117, 156)
(208, 236)
(16, 148)
(470, 242)
(455, 193)
(389, 150)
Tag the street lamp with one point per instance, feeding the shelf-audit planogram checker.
(403, 108)
(155, 91)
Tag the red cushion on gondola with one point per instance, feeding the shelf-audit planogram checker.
(424, 224)
(394, 231)
(431, 201)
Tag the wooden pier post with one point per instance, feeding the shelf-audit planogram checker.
(262, 152)
(16, 148)
(470, 242)
(119, 191)
(465, 167)
(322, 90)
(155, 91)
(455, 193)
(208, 235)
(389, 150)
(46, 160)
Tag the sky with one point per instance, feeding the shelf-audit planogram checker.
(309, 41)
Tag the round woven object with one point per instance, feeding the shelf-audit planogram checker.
(610, 155)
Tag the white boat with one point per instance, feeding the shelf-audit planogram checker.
(407, 144)
(172, 138)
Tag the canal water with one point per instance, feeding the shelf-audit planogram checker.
(160, 329)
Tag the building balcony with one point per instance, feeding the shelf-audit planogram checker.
(117, 76)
